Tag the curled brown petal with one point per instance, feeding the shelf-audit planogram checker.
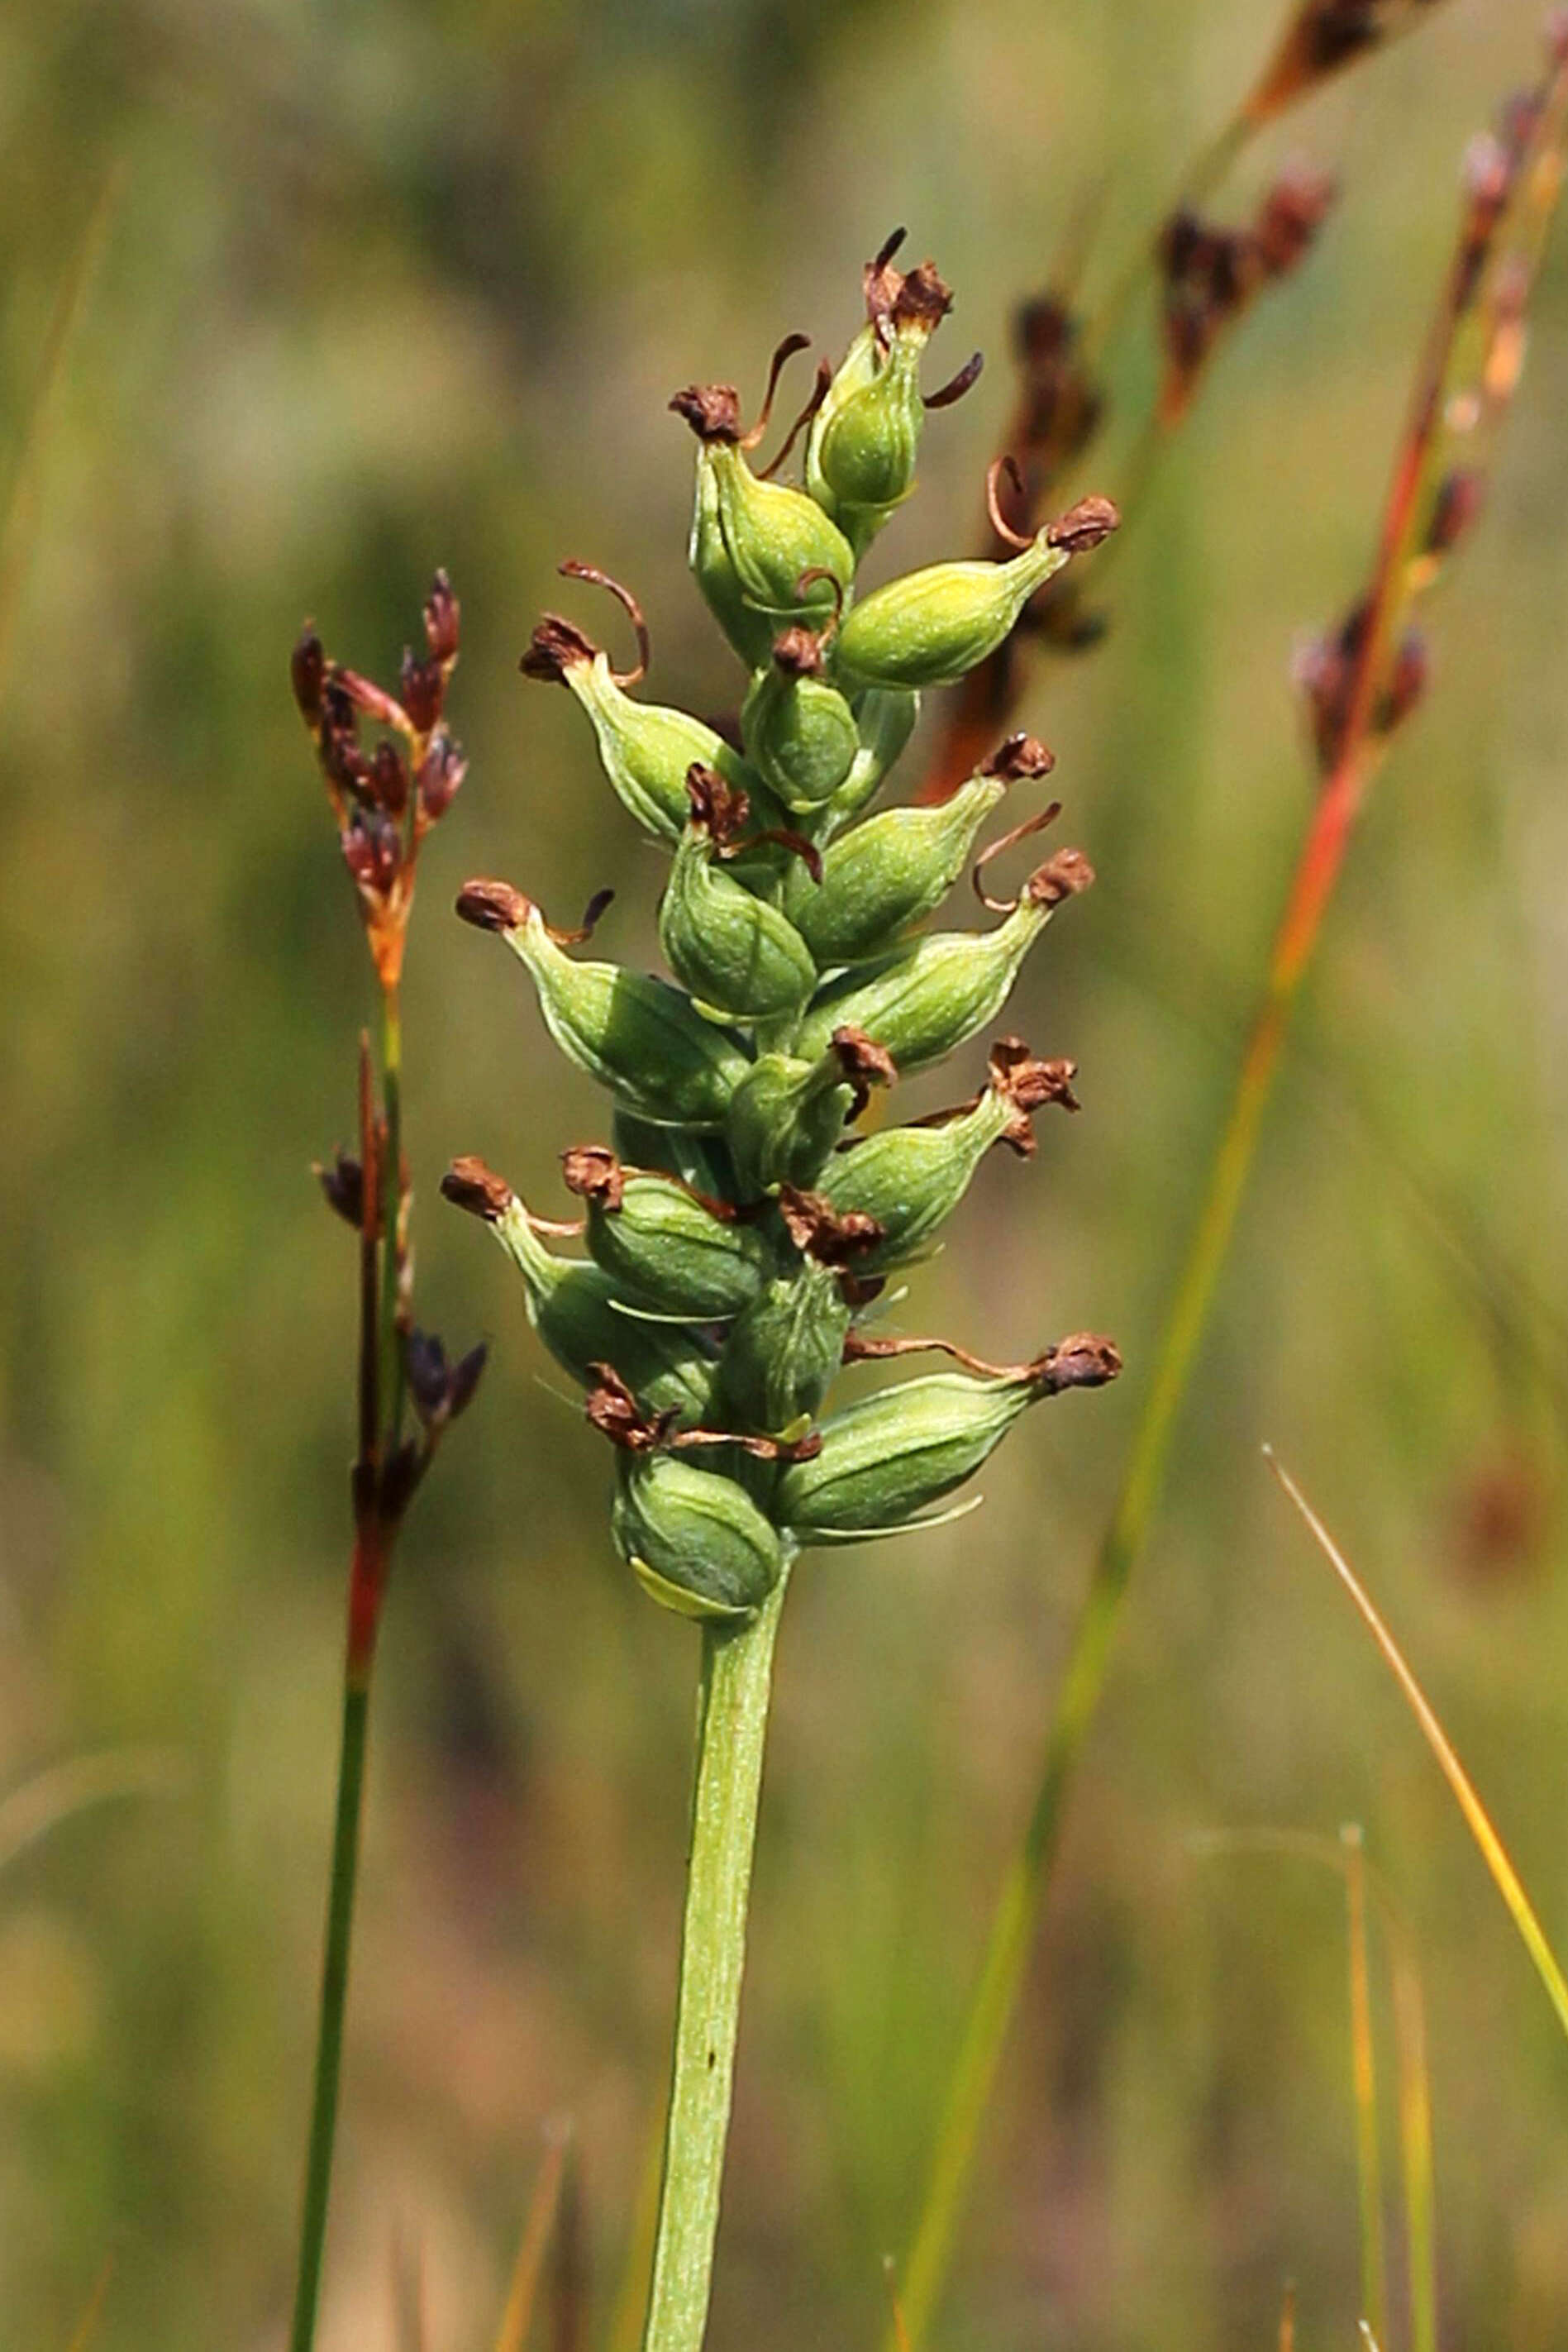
(1031, 825)
(572, 570)
(1006, 464)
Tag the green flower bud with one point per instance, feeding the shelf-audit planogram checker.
(711, 566)
(740, 957)
(886, 1458)
(867, 451)
(856, 373)
(573, 1306)
(780, 1354)
(635, 1035)
(774, 537)
(645, 749)
(786, 1114)
(666, 1249)
(889, 874)
(932, 627)
(910, 1180)
(926, 1000)
(861, 456)
(800, 734)
(695, 1541)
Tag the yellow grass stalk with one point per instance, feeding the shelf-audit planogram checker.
(1505, 1878)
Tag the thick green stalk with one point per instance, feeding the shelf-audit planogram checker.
(334, 1998)
(732, 1730)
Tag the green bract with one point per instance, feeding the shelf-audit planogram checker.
(741, 1229)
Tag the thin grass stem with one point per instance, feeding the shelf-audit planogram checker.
(1363, 2085)
(1494, 1853)
(334, 1999)
(522, 2292)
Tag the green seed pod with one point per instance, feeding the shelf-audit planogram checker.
(750, 633)
(666, 1249)
(930, 997)
(645, 749)
(771, 534)
(780, 1354)
(635, 1035)
(886, 1458)
(695, 1541)
(885, 721)
(932, 627)
(740, 957)
(863, 452)
(786, 1114)
(799, 732)
(855, 372)
(909, 1180)
(881, 880)
(572, 1307)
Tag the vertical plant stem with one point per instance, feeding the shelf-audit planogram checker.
(732, 1729)
(392, 1281)
(1363, 2082)
(367, 1580)
(334, 1996)
(1415, 2144)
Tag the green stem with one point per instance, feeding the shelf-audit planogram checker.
(334, 1996)
(732, 1729)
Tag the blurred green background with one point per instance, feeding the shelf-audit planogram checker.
(378, 286)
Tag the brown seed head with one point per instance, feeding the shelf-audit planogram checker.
(798, 654)
(443, 614)
(308, 673)
(1085, 1361)
(423, 683)
(614, 1411)
(344, 1186)
(721, 809)
(592, 1172)
(1290, 218)
(556, 647)
(1083, 526)
(1020, 757)
(440, 773)
(492, 906)
(1026, 1084)
(712, 410)
(1061, 876)
(923, 300)
(820, 1231)
(469, 1184)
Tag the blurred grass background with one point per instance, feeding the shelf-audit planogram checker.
(375, 288)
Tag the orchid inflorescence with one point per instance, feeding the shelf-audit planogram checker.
(739, 1230)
